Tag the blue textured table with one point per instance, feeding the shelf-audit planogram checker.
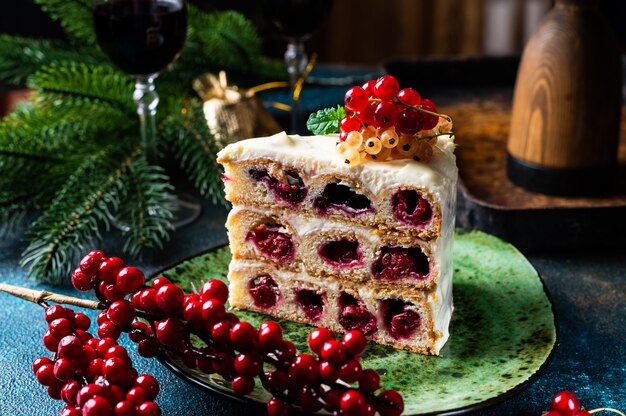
(587, 289)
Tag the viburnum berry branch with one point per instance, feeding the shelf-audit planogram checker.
(161, 319)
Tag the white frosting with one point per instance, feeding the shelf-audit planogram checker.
(316, 155)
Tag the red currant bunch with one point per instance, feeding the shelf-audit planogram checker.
(93, 376)
(385, 122)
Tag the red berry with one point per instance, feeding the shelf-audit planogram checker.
(334, 352)
(286, 351)
(69, 347)
(121, 313)
(429, 121)
(386, 114)
(90, 263)
(409, 121)
(111, 292)
(350, 371)
(270, 335)
(387, 87)
(89, 391)
(369, 87)
(95, 368)
(214, 289)
(114, 369)
(409, 96)
(243, 385)
(248, 365)
(221, 333)
(354, 341)
(318, 337)
(50, 341)
(356, 99)
(56, 312)
(343, 136)
(81, 321)
(192, 312)
(213, 310)
(148, 347)
(45, 375)
(140, 331)
(39, 362)
(148, 299)
(104, 344)
(276, 407)
(170, 331)
(304, 369)
(137, 395)
(60, 327)
(278, 380)
(109, 268)
(64, 369)
(69, 392)
(244, 336)
(565, 402)
(54, 391)
(109, 330)
(369, 381)
(129, 279)
(170, 298)
(366, 115)
(117, 351)
(353, 402)
(71, 411)
(160, 281)
(309, 399)
(149, 384)
(125, 408)
(348, 124)
(389, 403)
(328, 372)
(82, 281)
(97, 406)
(148, 409)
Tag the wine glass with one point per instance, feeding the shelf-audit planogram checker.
(143, 37)
(295, 21)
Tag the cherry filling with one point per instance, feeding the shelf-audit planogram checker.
(396, 263)
(400, 320)
(269, 240)
(264, 291)
(411, 208)
(341, 253)
(354, 315)
(343, 198)
(292, 191)
(311, 302)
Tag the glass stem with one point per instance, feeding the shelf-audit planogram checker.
(147, 100)
(296, 60)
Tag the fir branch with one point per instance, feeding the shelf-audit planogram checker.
(75, 17)
(220, 40)
(11, 218)
(146, 207)
(103, 83)
(21, 57)
(73, 219)
(186, 133)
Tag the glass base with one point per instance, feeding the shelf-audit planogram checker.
(186, 209)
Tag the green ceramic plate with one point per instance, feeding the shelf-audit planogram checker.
(503, 332)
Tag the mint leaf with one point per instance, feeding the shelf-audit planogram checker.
(326, 121)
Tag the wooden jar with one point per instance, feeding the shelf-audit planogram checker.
(567, 104)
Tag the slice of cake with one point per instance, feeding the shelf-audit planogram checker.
(325, 232)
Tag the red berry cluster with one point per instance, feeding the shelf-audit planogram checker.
(235, 350)
(384, 121)
(565, 403)
(94, 377)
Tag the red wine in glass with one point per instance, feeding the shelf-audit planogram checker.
(295, 20)
(141, 37)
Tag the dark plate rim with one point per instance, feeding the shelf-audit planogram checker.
(175, 367)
